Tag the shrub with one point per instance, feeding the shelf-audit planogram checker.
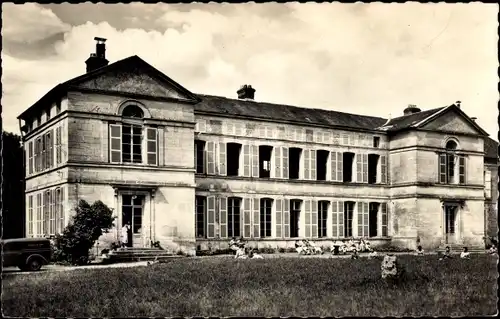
(86, 226)
(266, 250)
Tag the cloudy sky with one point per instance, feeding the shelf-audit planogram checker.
(369, 59)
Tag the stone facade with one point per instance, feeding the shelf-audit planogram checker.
(394, 195)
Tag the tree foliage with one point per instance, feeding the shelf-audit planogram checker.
(13, 210)
(86, 226)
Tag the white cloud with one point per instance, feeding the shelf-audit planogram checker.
(368, 59)
(29, 22)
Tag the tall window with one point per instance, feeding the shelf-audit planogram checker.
(348, 216)
(201, 203)
(451, 165)
(233, 217)
(322, 218)
(199, 156)
(132, 209)
(131, 144)
(295, 206)
(266, 205)
(131, 141)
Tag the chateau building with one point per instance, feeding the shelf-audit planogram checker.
(191, 171)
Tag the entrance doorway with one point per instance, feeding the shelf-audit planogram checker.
(132, 212)
(450, 223)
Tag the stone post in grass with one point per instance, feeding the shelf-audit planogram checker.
(390, 268)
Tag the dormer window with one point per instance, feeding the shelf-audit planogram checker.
(133, 111)
(376, 141)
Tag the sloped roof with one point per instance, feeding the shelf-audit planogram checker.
(61, 88)
(406, 121)
(490, 148)
(281, 112)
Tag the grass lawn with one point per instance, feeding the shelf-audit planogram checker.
(268, 287)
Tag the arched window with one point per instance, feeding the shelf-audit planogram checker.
(451, 165)
(131, 140)
(451, 145)
(133, 111)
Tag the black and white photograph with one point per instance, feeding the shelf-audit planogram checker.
(249, 159)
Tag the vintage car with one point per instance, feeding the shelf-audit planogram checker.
(29, 254)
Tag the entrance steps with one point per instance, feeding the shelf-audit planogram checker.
(457, 248)
(138, 254)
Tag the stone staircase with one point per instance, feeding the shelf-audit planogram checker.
(457, 249)
(129, 254)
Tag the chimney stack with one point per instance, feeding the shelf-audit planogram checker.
(457, 103)
(473, 119)
(246, 92)
(411, 109)
(98, 59)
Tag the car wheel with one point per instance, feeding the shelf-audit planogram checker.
(34, 264)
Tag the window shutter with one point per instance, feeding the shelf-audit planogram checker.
(30, 158)
(247, 225)
(360, 218)
(442, 168)
(314, 219)
(211, 217)
(333, 165)
(52, 229)
(366, 222)
(383, 169)
(61, 210)
(246, 161)
(340, 167)
(58, 145)
(307, 165)
(50, 153)
(359, 168)
(223, 217)
(115, 143)
(313, 164)
(256, 218)
(279, 218)
(487, 184)
(222, 159)
(284, 154)
(335, 219)
(308, 218)
(341, 218)
(461, 169)
(277, 162)
(384, 219)
(39, 214)
(30, 216)
(43, 166)
(210, 148)
(286, 218)
(365, 168)
(36, 156)
(152, 145)
(255, 161)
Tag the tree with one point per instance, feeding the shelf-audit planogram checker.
(13, 199)
(86, 226)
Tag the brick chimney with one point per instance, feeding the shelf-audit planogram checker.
(457, 103)
(411, 109)
(98, 59)
(246, 92)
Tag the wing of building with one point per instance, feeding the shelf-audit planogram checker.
(192, 171)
